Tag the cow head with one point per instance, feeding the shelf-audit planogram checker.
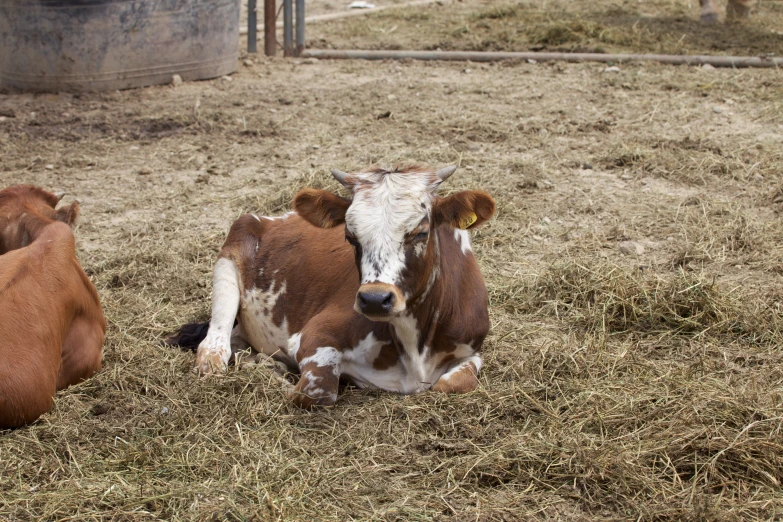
(25, 210)
(390, 221)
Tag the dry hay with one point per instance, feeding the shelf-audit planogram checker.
(615, 386)
(625, 26)
(607, 299)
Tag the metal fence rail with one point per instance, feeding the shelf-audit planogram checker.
(297, 48)
(488, 56)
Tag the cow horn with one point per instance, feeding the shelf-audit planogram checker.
(445, 172)
(340, 176)
(60, 195)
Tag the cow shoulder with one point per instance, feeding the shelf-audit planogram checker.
(242, 244)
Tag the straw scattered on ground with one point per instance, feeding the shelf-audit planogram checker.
(633, 370)
(621, 26)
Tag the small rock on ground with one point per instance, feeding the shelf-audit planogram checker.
(631, 248)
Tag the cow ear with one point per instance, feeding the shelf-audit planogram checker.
(468, 209)
(321, 208)
(67, 214)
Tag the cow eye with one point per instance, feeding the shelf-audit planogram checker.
(421, 236)
(351, 239)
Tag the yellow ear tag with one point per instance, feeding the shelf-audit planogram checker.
(467, 221)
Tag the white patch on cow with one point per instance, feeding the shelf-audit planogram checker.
(255, 216)
(407, 331)
(463, 238)
(462, 351)
(260, 330)
(225, 302)
(420, 249)
(311, 388)
(380, 216)
(294, 342)
(363, 354)
(459, 364)
(316, 392)
(324, 356)
(413, 373)
(415, 363)
(281, 217)
(358, 362)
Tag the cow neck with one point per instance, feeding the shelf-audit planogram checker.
(417, 329)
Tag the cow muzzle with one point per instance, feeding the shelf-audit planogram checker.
(379, 301)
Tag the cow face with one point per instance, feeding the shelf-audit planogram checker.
(391, 221)
(25, 210)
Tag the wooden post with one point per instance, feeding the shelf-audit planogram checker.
(270, 15)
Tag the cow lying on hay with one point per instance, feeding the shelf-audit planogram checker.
(51, 323)
(381, 289)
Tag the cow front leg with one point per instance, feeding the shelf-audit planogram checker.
(320, 368)
(214, 351)
(461, 377)
(709, 15)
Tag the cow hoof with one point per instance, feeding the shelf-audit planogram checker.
(209, 364)
(709, 18)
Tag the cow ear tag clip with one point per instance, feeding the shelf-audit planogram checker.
(467, 221)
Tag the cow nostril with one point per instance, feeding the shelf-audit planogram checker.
(375, 303)
(388, 300)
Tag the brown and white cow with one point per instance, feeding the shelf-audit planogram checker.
(381, 289)
(734, 9)
(51, 322)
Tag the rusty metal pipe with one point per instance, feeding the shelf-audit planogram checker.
(270, 13)
(715, 61)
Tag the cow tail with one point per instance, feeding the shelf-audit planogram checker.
(189, 336)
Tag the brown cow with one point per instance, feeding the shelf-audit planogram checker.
(381, 289)
(734, 9)
(51, 322)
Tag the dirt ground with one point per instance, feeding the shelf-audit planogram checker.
(635, 270)
(606, 26)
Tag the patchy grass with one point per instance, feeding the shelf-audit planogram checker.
(689, 159)
(626, 26)
(608, 299)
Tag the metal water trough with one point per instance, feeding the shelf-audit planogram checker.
(99, 45)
